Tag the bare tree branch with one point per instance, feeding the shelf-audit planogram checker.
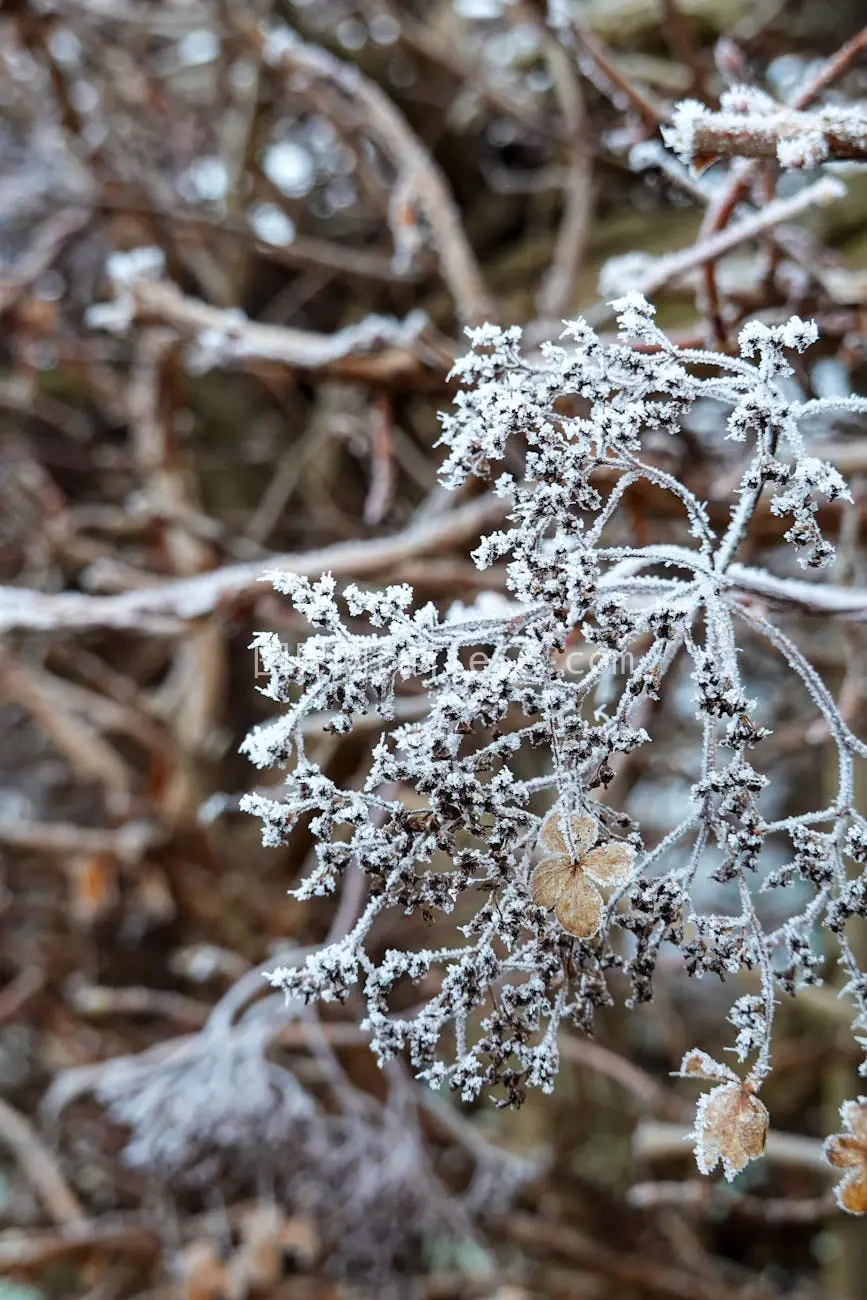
(378, 350)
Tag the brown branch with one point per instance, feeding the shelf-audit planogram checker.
(558, 287)
(15, 995)
(165, 606)
(599, 66)
(743, 173)
(25, 1251)
(831, 69)
(303, 251)
(47, 243)
(426, 41)
(98, 1001)
(634, 1269)
(380, 494)
(419, 177)
(129, 843)
(797, 139)
(650, 113)
(715, 219)
(654, 1140)
(712, 1201)
(642, 1086)
(71, 733)
(193, 695)
(680, 38)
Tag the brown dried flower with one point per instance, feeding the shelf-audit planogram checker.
(564, 878)
(849, 1151)
(731, 1124)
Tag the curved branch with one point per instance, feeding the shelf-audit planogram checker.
(419, 180)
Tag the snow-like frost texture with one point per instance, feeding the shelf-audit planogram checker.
(749, 122)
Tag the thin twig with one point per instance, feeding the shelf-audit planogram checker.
(831, 69)
(654, 1140)
(613, 81)
(634, 1269)
(127, 844)
(23, 1251)
(642, 1086)
(47, 243)
(822, 192)
(795, 138)
(743, 173)
(713, 1201)
(39, 1166)
(558, 287)
(419, 176)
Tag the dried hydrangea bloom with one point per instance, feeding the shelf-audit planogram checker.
(564, 878)
(849, 1151)
(731, 1124)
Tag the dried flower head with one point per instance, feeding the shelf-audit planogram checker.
(564, 878)
(731, 1123)
(501, 720)
(849, 1151)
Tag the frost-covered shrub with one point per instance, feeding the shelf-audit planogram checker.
(557, 898)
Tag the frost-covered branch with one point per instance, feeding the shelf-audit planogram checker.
(167, 605)
(671, 266)
(378, 350)
(752, 125)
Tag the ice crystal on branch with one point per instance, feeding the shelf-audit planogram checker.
(487, 812)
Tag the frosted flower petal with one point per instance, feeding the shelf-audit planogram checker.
(581, 828)
(610, 864)
(848, 1151)
(579, 909)
(851, 1192)
(854, 1116)
(844, 1152)
(548, 880)
(731, 1125)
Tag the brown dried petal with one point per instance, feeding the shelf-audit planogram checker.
(549, 879)
(731, 1125)
(579, 908)
(698, 1065)
(582, 830)
(851, 1191)
(844, 1152)
(854, 1115)
(610, 864)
